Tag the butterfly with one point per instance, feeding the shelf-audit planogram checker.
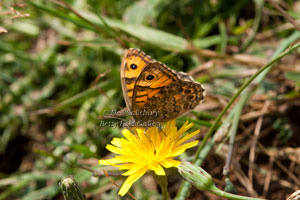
(150, 86)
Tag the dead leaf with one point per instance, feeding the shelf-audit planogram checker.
(3, 30)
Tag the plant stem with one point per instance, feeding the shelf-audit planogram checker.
(228, 195)
(163, 183)
(259, 5)
(242, 88)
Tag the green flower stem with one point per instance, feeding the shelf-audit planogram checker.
(227, 195)
(242, 88)
(163, 183)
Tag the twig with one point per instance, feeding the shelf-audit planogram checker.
(270, 33)
(282, 167)
(254, 141)
(239, 58)
(241, 176)
(101, 75)
(254, 114)
(285, 14)
(269, 173)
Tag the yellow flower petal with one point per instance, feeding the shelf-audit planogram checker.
(167, 163)
(114, 149)
(185, 127)
(117, 142)
(128, 135)
(130, 180)
(182, 148)
(158, 170)
(111, 161)
(187, 137)
(131, 171)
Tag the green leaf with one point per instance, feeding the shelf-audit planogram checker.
(44, 193)
(84, 150)
(294, 76)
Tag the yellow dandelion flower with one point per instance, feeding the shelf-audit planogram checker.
(152, 150)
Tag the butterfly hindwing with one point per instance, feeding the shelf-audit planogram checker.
(154, 77)
(169, 93)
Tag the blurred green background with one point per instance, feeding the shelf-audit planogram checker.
(60, 68)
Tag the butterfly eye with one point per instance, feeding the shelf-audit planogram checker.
(150, 77)
(133, 66)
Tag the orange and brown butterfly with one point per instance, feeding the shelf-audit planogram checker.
(149, 85)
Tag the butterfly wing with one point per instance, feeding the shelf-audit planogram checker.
(133, 62)
(160, 89)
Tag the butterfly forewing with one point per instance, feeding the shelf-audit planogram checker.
(151, 86)
(133, 62)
